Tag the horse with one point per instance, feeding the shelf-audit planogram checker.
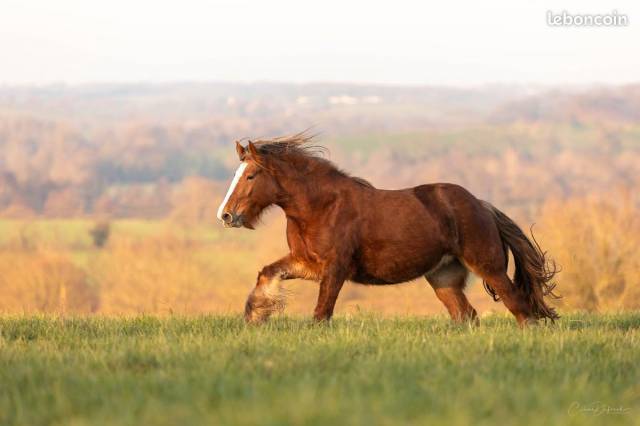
(342, 228)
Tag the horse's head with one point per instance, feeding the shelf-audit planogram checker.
(252, 189)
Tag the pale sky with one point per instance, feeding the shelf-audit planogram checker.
(397, 42)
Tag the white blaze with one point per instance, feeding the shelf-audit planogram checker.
(232, 187)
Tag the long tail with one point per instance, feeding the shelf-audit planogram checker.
(534, 272)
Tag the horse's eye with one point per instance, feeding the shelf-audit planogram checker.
(250, 177)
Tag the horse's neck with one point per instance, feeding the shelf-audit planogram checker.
(304, 199)
(298, 203)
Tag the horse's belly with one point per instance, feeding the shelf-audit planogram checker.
(365, 277)
(394, 267)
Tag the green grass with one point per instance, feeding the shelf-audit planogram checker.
(75, 233)
(360, 370)
(539, 142)
(72, 236)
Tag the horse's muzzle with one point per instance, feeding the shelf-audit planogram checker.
(231, 220)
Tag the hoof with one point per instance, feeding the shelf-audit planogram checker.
(261, 305)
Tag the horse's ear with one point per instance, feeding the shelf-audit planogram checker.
(255, 155)
(241, 151)
(258, 157)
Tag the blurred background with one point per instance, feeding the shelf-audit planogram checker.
(117, 123)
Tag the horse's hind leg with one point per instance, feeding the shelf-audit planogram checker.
(493, 270)
(483, 253)
(512, 298)
(448, 282)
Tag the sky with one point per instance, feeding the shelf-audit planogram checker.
(393, 42)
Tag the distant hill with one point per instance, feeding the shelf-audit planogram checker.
(127, 149)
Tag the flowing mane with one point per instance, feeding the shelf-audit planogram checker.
(301, 147)
(302, 144)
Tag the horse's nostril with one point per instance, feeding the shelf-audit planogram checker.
(227, 218)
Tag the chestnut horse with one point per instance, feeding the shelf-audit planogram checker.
(342, 228)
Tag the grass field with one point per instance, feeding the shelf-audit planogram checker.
(356, 370)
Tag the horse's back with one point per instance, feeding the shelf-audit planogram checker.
(464, 214)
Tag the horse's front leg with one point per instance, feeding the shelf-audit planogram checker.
(268, 296)
(330, 286)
